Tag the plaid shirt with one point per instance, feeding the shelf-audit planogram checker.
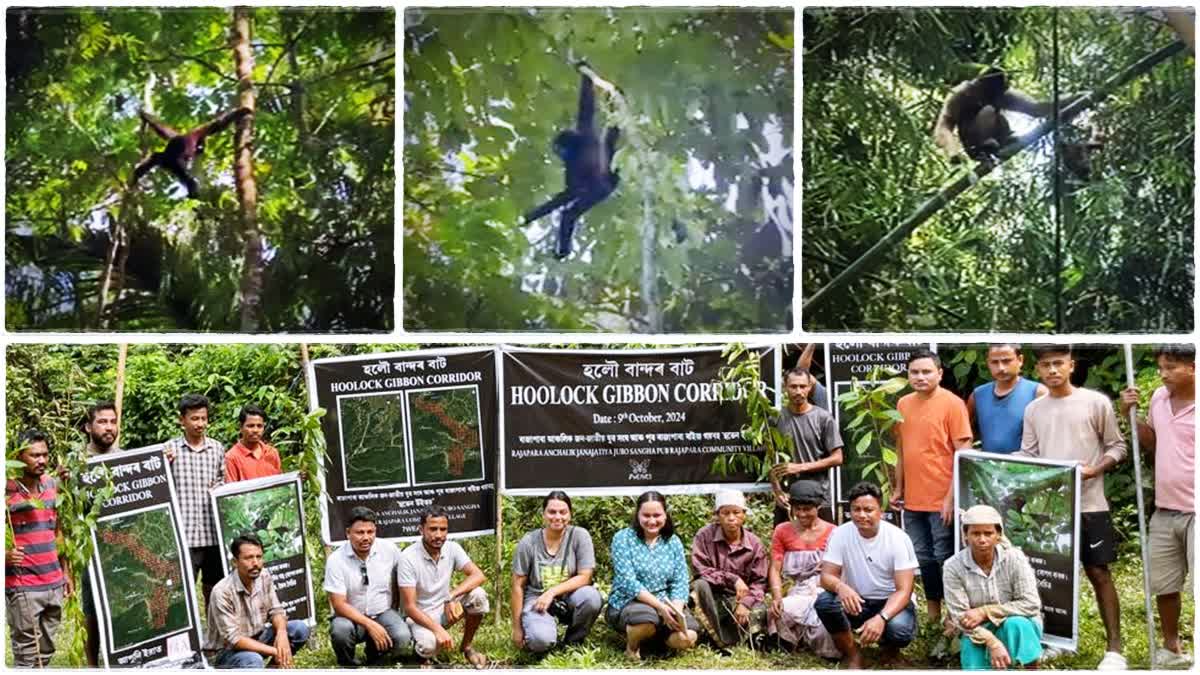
(1010, 589)
(195, 473)
(235, 613)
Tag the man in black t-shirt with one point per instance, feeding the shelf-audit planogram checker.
(816, 441)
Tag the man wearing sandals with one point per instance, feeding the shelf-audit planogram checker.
(429, 603)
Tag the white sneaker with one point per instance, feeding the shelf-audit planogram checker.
(1112, 661)
(1168, 660)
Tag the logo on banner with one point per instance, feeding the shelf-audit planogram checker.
(639, 469)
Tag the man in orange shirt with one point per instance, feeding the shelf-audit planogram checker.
(251, 456)
(935, 426)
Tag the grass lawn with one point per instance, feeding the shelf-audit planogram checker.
(606, 650)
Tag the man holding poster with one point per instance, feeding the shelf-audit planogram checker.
(1168, 436)
(1079, 424)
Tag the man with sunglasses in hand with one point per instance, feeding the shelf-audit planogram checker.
(359, 581)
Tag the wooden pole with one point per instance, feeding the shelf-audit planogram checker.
(499, 559)
(119, 395)
(1141, 509)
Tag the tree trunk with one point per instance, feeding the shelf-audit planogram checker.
(119, 394)
(251, 287)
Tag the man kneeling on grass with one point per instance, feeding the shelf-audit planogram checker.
(868, 575)
(247, 624)
(423, 576)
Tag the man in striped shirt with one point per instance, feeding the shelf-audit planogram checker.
(34, 581)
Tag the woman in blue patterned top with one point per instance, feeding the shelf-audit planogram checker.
(650, 581)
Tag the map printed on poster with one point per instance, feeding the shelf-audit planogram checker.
(404, 430)
(140, 570)
(623, 421)
(273, 509)
(1039, 502)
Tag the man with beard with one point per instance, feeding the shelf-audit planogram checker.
(358, 580)
(1168, 435)
(997, 408)
(34, 578)
(247, 624)
(431, 605)
(867, 577)
(1078, 424)
(816, 443)
(102, 430)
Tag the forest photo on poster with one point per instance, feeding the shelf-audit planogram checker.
(271, 513)
(445, 433)
(141, 577)
(373, 440)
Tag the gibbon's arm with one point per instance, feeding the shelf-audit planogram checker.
(947, 121)
(159, 127)
(218, 124)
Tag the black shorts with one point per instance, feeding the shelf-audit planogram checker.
(206, 560)
(1097, 539)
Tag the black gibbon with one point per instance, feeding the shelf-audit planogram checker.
(182, 148)
(587, 161)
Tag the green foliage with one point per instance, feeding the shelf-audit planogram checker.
(995, 258)
(490, 88)
(743, 373)
(271, 514)
(1034, 500)
(870, 407)
(324, 169)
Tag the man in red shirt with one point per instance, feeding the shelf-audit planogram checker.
(251, 456)
(34, 577)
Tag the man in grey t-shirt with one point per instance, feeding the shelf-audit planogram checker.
(816, 441)
(423, 575)
(545, 582)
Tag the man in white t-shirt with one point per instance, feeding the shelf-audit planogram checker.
(867, 575)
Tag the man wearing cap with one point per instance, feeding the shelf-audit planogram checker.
(731, 566)
(992, 596)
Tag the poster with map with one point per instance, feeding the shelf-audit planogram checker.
(405, 430)
(271, 508)
(140, 570)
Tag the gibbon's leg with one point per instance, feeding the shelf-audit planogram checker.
(146, 165)
(551, 204)
(184, 177)
(570, 216)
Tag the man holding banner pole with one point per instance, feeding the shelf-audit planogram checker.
(1073, 423)
(1168, 435)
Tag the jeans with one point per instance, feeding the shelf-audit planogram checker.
(541, 629)
(897, 632)
(933, 542)
(297, 632)
(346, 635)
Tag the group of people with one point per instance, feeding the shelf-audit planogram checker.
(1049, 418)
(821, 587)
(37, 576)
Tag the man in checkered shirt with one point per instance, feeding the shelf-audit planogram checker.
(198, 465)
